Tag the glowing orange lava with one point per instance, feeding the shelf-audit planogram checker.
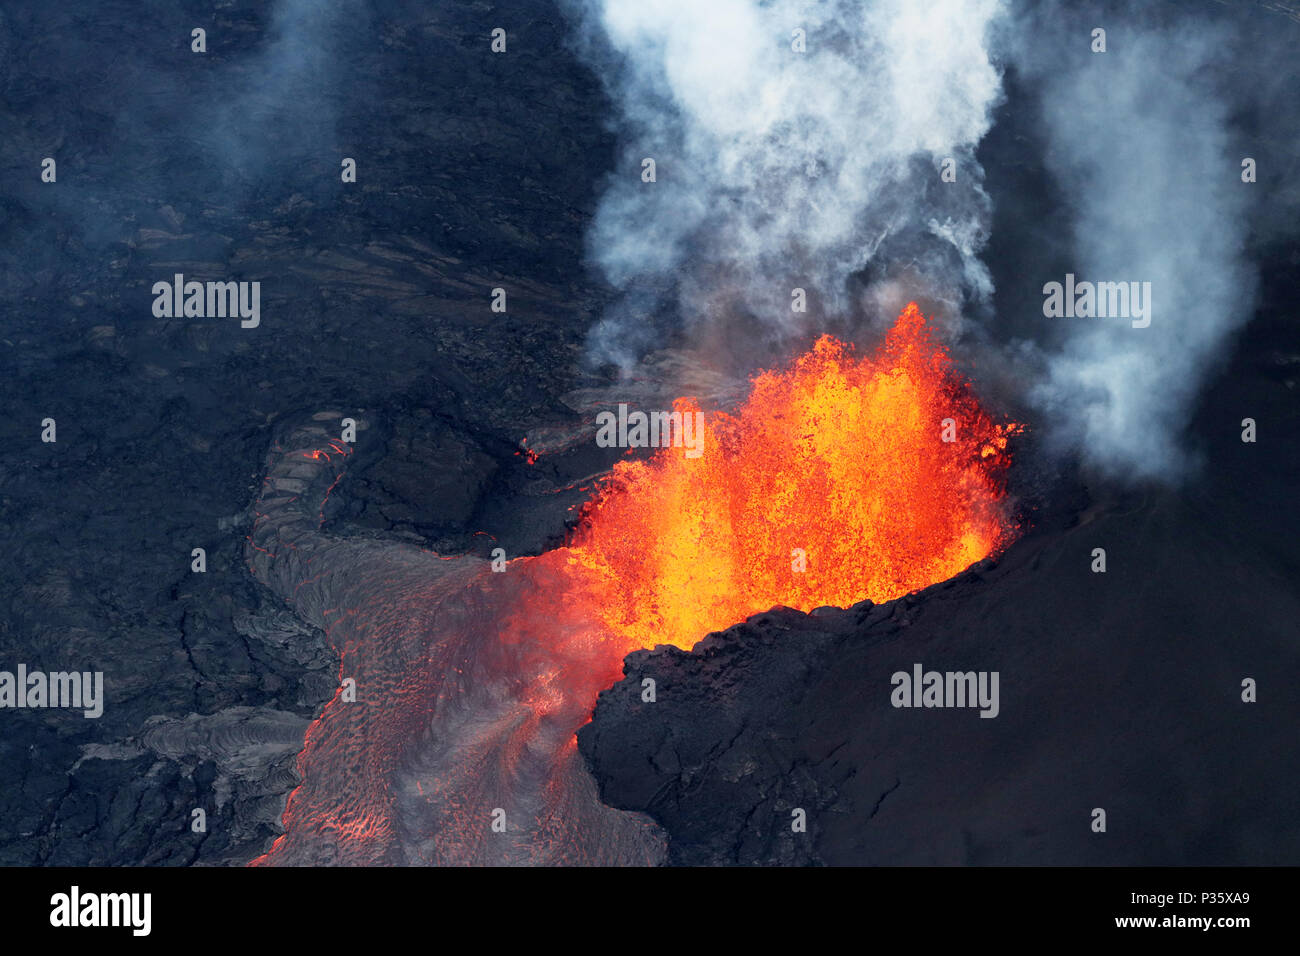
(831, 484)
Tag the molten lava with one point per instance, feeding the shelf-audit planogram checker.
(831, 484)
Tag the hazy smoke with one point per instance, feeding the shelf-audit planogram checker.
(779, 169)
(288, 99)
(1138, 140)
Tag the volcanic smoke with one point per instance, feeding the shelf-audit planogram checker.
(841, 478)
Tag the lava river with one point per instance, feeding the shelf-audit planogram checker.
(840, 478)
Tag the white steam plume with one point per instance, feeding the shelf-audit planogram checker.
(1139, 140)
(778, 169)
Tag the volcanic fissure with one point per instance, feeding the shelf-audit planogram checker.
(840, 478)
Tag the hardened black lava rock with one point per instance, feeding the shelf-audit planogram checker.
(375, 294)
(1120, 691)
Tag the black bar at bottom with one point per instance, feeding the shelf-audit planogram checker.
(345, 907)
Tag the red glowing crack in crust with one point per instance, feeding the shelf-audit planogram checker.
(471, 684)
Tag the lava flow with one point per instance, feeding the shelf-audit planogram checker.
(833, 483)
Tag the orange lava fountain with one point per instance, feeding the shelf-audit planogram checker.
(831, 484)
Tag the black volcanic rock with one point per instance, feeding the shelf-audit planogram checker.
(477, 172)
(1119, 690)
(375, 295)
(722, 774)
(429, 478)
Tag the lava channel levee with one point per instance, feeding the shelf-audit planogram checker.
(459, 713)
(840, 479)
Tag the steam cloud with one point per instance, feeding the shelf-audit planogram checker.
(820, 170)
(778, 169)
(1139, 138)
(292, 94)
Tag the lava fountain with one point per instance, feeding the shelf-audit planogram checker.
(841, 478)
(832, 484)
